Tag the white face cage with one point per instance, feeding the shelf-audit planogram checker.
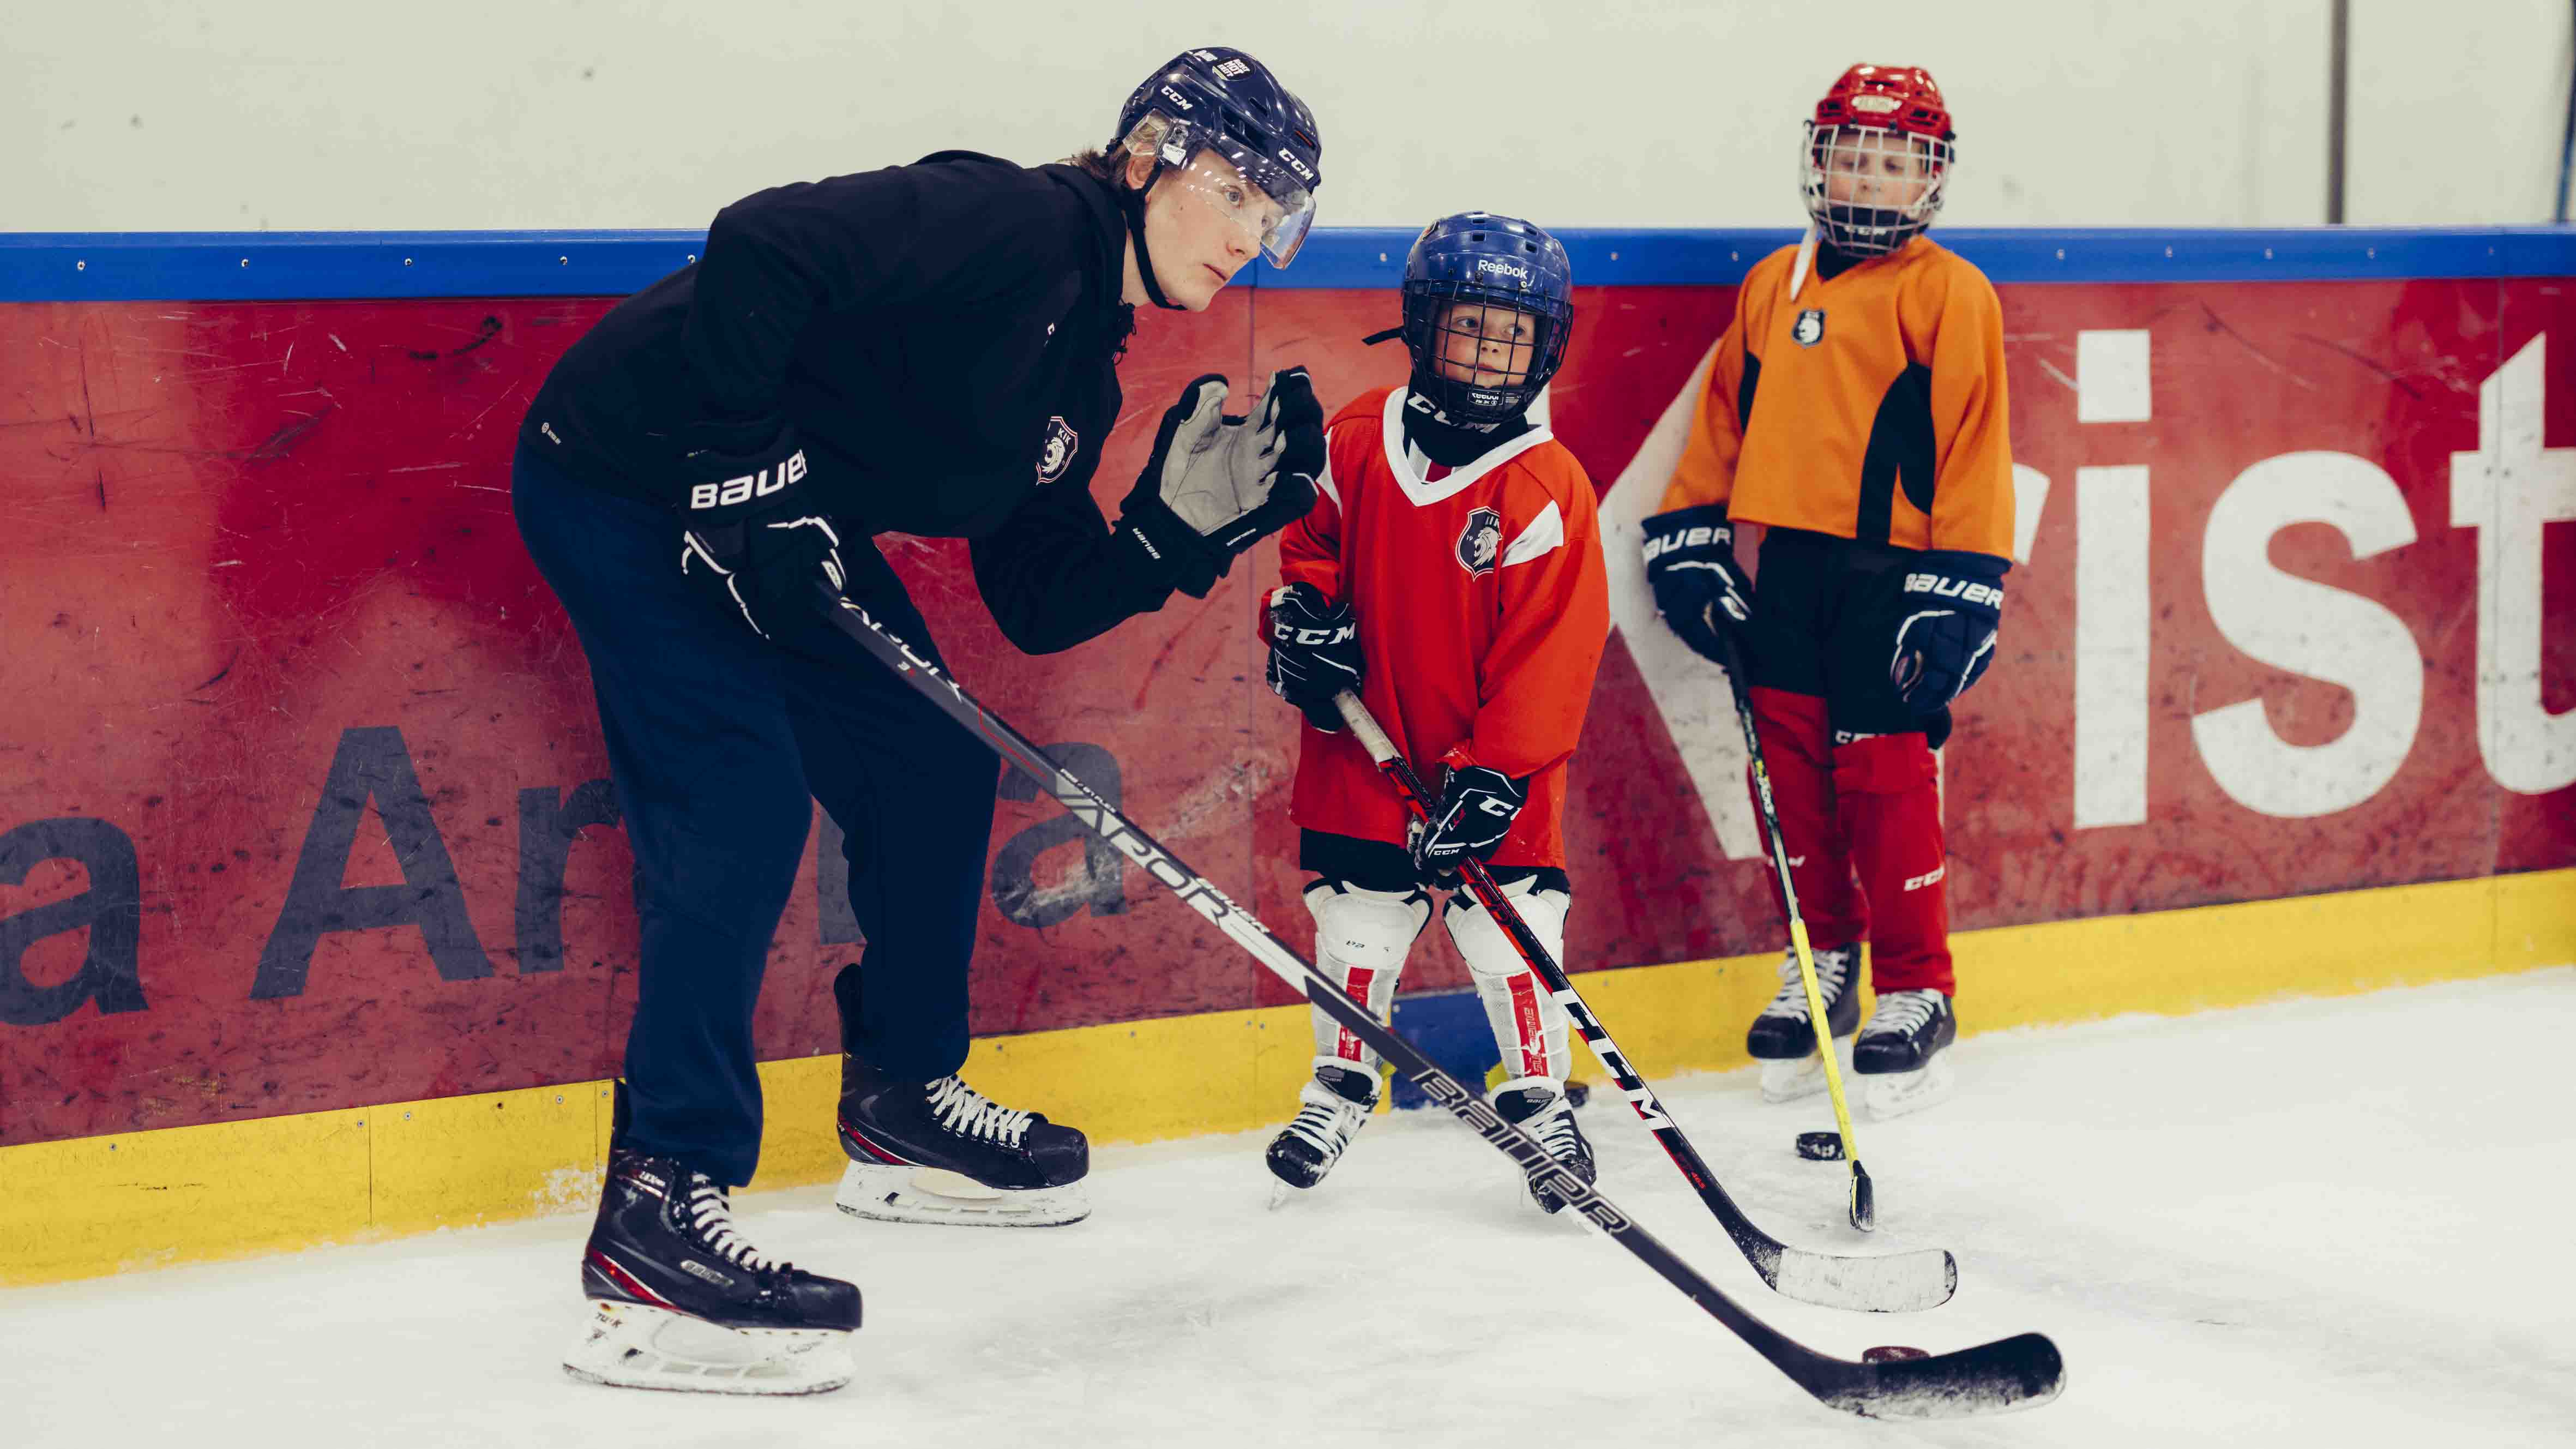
(1870, 190)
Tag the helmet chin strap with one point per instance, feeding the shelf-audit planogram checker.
(1132, 203)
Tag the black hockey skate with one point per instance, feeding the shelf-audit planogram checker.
(942, 1152)
(1903, 1053)
(1783, 1039)
(1539, 1107)
(680, 1301)
(1331, 1109)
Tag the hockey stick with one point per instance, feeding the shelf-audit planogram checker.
(1898, 1283)
(2004, 1374)
(1864, 1198)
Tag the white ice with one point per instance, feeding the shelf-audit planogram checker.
(2336, 1222)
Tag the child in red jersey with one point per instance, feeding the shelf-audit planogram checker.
(1451, 573)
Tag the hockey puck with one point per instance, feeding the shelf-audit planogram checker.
(1577, 1092)
(1890, 1353)
(1820, 1146)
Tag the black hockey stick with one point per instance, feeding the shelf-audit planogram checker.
(1864, 1197)
(1896, 1283)
(2004, 1374)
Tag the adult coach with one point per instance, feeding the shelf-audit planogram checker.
(930, 349)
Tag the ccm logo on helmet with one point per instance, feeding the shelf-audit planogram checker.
(1960, 589)
(750, 485)
(1295, 165)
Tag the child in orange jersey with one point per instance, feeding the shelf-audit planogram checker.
(1451, 573)
(1856, 409)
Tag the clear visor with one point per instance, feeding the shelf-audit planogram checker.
(1254, 194)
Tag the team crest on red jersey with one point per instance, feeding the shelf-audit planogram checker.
(1480, 542)
(1056, 454)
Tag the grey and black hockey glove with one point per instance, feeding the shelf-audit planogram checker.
(1475, 811)
(1699, 588)
(1217, 485)
(748, 525)
(1314, 651)
(1948, 605)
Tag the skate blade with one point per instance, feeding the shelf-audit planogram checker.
(632, 1346)
(935, 1195)
(1894, 1094)
(1787, 1081)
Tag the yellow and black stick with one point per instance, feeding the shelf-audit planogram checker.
(1864, 1199)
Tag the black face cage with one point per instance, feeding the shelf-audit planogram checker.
(1869, 231)
(1426, 304)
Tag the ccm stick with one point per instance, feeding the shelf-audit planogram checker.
(1897, 1283)
(1990, 1377)
(1864, 1198)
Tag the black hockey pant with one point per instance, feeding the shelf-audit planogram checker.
(720, 743)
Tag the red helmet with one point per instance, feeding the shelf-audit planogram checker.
(1873, 112)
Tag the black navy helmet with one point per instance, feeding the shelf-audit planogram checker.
(1496, 261)
(1222, 100)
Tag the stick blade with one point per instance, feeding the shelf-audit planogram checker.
(1894, 1283)
(1864, 1199)
(1991, 1378)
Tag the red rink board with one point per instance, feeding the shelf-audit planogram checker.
(263, 607)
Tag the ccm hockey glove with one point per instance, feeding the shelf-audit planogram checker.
(1699, 588)
(1314, 651)
(747, 524)
(1948, 605)
(1475, 811)
(1217, 485)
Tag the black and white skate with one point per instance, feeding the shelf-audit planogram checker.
(1903, 1053)
(1539, 1107)
(1332, 1107)
(942, 1152)
(680, 1301)
(1784, 1040)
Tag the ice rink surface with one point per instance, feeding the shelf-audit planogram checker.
(2326, 1222)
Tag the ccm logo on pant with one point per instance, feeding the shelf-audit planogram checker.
(1918, 882)
(1960, 589)
(750, 485)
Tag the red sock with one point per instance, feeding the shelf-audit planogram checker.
(1791, 728)
(1889, 800)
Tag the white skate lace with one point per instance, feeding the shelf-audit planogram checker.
(1833, 968)
(970, 1113)
(1319, 1125)
(1902, 1013)
(712, 1216)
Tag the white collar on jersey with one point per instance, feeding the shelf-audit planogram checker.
(1425, 494)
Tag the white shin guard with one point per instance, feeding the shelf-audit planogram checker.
(1361, 939)
(1529, 1023)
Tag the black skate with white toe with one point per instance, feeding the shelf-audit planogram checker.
(680, 1301)
(1902, 1056)
(1539, 1107)
(1783, 1039)
(1331, 1109)
(942, 1152)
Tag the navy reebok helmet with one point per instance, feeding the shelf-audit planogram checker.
(1222, 100)
(1497, 261)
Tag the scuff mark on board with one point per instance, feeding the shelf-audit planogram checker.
(490, 328)
(282, 442)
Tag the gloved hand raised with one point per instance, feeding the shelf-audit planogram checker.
(747, 523)
(1475, 811)
(1216, 485)
(1948, 606)
(1699, 588)
(1314, 651)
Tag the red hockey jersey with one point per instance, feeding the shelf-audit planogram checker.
(1483, 608)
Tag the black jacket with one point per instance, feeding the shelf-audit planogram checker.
(944, 338)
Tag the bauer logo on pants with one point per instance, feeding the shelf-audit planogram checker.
(1056, 455)
(1480, 541)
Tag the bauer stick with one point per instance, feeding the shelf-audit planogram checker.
(1898, 1283)
(1864, 1198)
(1989, 1377)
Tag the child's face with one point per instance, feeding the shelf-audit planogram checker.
(1880, 169)
(1486, 346)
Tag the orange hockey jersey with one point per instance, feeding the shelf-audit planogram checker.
(1483, 608)
(1870, 407)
